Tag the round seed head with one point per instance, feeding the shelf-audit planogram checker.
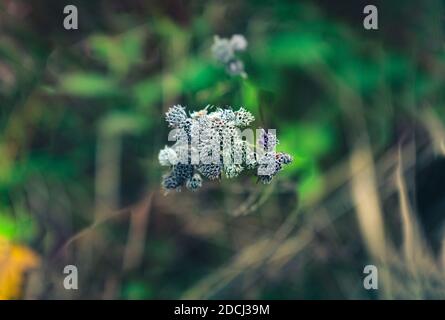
(210, 171)
(284, 158)
(167, 157)
(182, 172)
(169, 182)
(235, 67)
(222, 50)
(194, 183)
(238, 42)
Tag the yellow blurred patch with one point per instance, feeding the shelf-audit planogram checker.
(15, 261)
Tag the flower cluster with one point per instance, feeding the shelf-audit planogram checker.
(224, 50)
(211, 144)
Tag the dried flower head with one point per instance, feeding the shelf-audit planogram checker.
(243, 118)
(176, 116)
(267, 140)
(210, 144)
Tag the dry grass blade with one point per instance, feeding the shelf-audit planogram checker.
(366, 199)
(435, 129)
(137, 234)
(416, 254)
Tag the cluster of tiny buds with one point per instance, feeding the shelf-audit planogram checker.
(224, 51)
(210, 144)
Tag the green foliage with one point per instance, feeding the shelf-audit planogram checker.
(296, 49)
(88, 85)
(17, 228)
(119, 53)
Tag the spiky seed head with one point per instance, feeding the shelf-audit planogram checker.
(284, 158)
(169, 182)
(210, 171)
(233, 170)
(243, 118)
(176, 116)
(228, 115)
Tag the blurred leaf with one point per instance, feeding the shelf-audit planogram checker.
(148, 92)
(117, 123)
(7, 227)
(196, 75)
(133, 44)
(310, 185)
(21, 227)
(250, 99)
(7, 166)
(121, 52)
(306, 142)
(136, 291)
(396, 66)
(296, 49)
(361, 75)
(88, 85)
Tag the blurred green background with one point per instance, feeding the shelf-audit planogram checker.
(362, 113)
